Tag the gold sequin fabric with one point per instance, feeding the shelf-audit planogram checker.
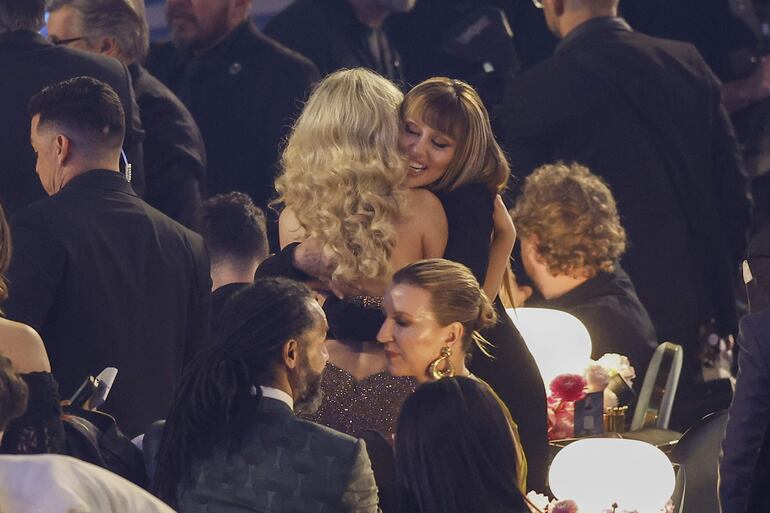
(353, 407)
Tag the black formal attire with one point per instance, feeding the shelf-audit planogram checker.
(645, 115)
(30, 63)
(283, 464)
(244, 94)
(613, 315)
(512, 373)
(39, 430)
(108, 280)
(174, 154)
(220, 297)
(744, 468)
(328, 33)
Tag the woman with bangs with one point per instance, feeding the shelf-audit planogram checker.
(341, 185)
(447, 139)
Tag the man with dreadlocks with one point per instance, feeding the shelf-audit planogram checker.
(231, 441)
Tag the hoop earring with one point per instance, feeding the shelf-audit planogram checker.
(448, 371)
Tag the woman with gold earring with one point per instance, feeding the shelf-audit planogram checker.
(434, 311)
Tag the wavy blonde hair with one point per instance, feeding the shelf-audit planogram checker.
(342, 172)
(455, 108)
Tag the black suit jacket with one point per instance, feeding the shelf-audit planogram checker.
(30, 63)
(174, 153)
(645, 114)
(284, 464)
(744, 466)
(108, 280)
(244, 94)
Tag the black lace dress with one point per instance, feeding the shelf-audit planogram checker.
(40, 429)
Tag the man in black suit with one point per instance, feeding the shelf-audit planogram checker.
(243, 89)
(337, 34)
(645, 115)
(103, 277)
(744, 467)
(174, 154)
(232, 442)
(29, 63)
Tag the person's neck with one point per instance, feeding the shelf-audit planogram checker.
(73, 172)
(369, 12)
(224, 273)
(201, 50)
(281, 382)
(552, 287)
(572, 20)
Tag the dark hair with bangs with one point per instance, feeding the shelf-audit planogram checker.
(455, 108)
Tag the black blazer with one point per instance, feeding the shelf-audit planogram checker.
(645, 114)
(108, 280)
(283, 464)
(744, 467)
(244, 94)
(30, 63)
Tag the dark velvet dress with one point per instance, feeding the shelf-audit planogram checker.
(512, 373)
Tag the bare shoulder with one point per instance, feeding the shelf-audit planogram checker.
(423, 200)
(289, 229)
(24, 347)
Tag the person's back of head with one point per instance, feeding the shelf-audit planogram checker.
(235, 232)
(342, 172)
(571, 217)
(13, 394)
(21, 15)
(213, 402)
(113, 27)
(77, 125)
(455, 451)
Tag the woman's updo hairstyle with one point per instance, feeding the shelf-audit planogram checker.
(455, 296)
(455, 108)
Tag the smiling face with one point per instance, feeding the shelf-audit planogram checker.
(428, 151)
(412, 336)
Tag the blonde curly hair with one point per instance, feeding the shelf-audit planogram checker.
(342, 172)
(574, 216)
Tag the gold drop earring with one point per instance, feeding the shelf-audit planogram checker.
(441, 367)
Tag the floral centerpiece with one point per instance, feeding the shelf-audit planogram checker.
(566, 389)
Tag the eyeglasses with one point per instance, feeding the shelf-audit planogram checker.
(60, 42)
(537, 3)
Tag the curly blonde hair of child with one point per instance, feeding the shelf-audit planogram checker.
(342, 172)
(574, 216)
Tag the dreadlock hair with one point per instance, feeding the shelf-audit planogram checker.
(214, 399)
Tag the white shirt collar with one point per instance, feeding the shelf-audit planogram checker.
(279, 395)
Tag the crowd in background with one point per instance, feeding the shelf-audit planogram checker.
(290, 242)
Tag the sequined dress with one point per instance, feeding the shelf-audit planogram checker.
(353, 407)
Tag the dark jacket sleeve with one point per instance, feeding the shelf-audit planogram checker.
(134, 139)
(361, 491)
(199, 325)
(36, 269)
(748, 416)
(293, 29)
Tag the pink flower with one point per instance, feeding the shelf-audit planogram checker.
(566, 506)
(568, 387)
(597, 378)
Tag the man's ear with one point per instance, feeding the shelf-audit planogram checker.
(63, 147)
(558, 7)
(291, 354)
(109, 46)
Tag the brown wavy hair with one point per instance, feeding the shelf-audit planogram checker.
(573, 214)
(455, 108)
